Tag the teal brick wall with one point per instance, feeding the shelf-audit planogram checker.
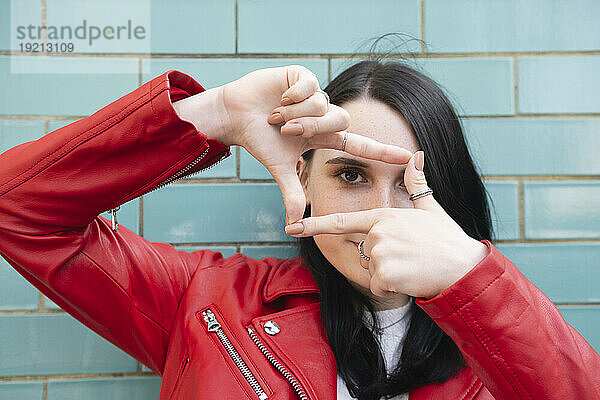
(524, 76)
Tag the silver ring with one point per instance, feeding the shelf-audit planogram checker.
(420, 194)
(326, 95)
(360, 251)
(344, 144)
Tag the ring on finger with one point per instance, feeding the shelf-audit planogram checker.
(363, 255)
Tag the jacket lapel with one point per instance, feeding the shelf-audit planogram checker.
(301, 345)
(290, 277)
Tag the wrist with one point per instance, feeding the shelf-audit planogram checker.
(206, 111)
(472, 254)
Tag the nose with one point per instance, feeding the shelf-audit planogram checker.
(387, 196)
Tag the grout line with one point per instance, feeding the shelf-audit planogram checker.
(71, 376)
(41, 302)
(141, 217)
(140, 76)
(237, 165)
(521, 212)
(516, 84)
(423, 26)
(34, 312)
(140, 372)
(306, 55)
(45, 392)
(236, 27)
(44, 16)
(328, 70)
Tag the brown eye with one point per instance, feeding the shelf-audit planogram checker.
(349, 175)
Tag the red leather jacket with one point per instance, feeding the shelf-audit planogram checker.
(236, 327)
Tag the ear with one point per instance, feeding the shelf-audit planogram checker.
(301, 171)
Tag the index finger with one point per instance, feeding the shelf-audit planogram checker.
(302, 82)
(361, 146)
(338, 223)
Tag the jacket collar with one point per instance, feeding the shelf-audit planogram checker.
(288, 277)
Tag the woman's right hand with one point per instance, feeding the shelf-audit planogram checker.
(249, 104)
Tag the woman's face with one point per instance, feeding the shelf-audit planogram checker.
(334, 183)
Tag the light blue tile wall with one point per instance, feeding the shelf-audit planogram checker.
(215, 213)
(334, 26)
(134, 388)
(17, 131)
(213, 72)
(53, 337)
(468, 82)
(22, 390)
(522, 74)
(503, 198)
(79, 93)
(585, 321)
(562, 210)
(467, 26)
(5, 30)
(190, 26)
(559, 84)
(535, 146)
(566, 272)
(16, 293)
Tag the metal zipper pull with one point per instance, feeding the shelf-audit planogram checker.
(113, 217)
(214, 326)
(211, 321)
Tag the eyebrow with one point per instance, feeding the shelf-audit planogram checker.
(347, 161)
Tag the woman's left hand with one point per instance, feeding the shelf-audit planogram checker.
(417, 251)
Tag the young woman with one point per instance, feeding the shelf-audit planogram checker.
(397, 288)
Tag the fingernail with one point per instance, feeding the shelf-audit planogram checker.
(292, 128)
(294, 228)
(286, 101)
(419, 160)
(275, 118)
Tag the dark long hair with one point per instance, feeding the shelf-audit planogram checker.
(428, 354)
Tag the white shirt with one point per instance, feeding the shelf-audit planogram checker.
(394, 323)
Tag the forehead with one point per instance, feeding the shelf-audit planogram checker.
(378, 121)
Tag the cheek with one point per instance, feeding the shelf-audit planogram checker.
(343, 255)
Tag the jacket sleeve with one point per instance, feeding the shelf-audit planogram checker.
(53, 189)
(512, 335)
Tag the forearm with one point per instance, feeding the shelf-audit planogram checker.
(513, 337)
(66, 178)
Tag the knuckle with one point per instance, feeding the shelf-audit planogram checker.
(344, 117)
(375, 251)
(322, 105)
(376, 234)
(313, 126)
(339, 221)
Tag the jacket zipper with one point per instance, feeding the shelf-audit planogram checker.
(213, 325)
(178, 175)
(280, 367)
(179, 377)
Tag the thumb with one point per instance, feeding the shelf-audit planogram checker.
(415, 182)
(293, 194)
